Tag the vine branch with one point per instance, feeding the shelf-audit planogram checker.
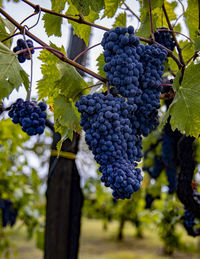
(130, 10)
(151, 20)
(86, 50)
(78, 20)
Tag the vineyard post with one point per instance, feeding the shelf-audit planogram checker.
(64, 195)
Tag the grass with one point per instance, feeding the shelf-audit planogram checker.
(96, 243)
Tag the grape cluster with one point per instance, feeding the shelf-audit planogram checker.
(109, 135)
(157, 168)
(22, 45)
(189, 219)
(9, 214)
(165, 38)
(170, 141)
(29, 115)
(122, 57)
(152, 59)
(114, 124)
(135, 70)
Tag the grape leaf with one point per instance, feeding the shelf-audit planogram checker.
(84, 6)
(52, 24)
(120, 20)
(70, 82)
(4, 25)
(58, 6)
(64, 132)
(192, 17)
(100, 64)
(81, 30)
(161, 21)
(187, 51)
(111, 7)
(11, 73)
(185, 108)
(46, 86)
(197, 44)
(145, 27)
(66, 113)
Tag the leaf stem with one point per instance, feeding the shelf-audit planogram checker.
(86, 50)
(130, 10)
(151, 20)
(78, 20)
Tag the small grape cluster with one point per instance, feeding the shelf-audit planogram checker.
(157, 168)
(31, 116)
(9, 214)
(165, 38)
(189, 219)
(109, 135)
(22, 45)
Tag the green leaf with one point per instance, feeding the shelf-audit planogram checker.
(4, 25)
(11, 73)
(120, 20)
(100, 64)
(66, 114)
(52, 24)
(65, 133)
(156, 3)
(192, 18)
(81, 30)
(70, 82)
(185, 108)
(187, 51)
(111, 7)
(145, 27)
(46, 86)
(84, 6)
(197, 44)
(58, 6)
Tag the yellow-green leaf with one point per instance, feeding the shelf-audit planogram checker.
(52, 24)
(185, 108)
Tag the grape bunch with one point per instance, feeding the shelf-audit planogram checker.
(114, 124)
(121, 54)
(22, 45)
(157, 168)
(135, 70)
(152, 59)
(165, 38)
(109, 135)
(9, 214)
(29, 115)
(189, 219)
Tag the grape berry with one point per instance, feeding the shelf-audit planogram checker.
(22, 45)
(29, 115)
